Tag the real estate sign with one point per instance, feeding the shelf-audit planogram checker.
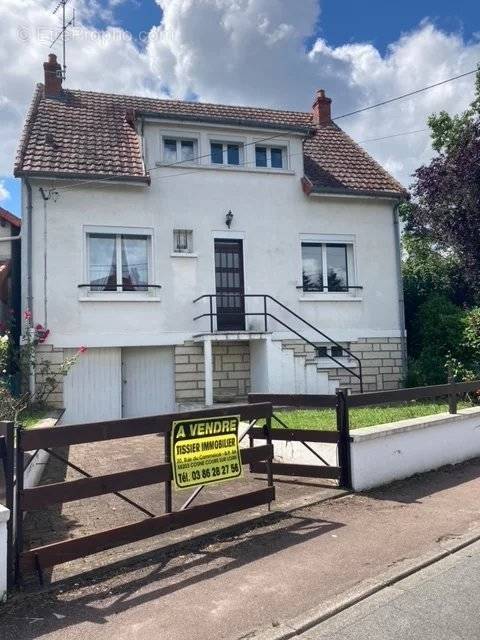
(205, 450)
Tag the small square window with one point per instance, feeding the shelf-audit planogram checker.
(337, 352)
(182, 241)
(216, 151)
(322, 352)
(261, 156)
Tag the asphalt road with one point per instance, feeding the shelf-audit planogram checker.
(440, 602)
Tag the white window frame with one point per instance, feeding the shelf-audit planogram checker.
(225, 143)
(189, 250)
(352, 273)
(269, 148)
(151, 294)
(179, 139)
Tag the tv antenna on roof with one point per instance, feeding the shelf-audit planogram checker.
(62, 33)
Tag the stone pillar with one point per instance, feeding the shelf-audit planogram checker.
(208, 361)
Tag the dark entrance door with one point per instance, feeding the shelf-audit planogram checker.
(229, 285)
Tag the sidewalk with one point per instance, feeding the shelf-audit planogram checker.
(238, 582)
(437, 603)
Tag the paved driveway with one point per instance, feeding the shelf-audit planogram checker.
(82, 517)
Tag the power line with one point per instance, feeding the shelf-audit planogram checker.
(405, 95)
(393, 135)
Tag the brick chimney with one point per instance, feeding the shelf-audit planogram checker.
(53, 77)
(321, 109)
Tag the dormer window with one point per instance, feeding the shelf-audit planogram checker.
(179, 150)
(230, 153)
(271, 157)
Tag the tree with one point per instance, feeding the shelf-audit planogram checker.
(427, 272)
(445, 207)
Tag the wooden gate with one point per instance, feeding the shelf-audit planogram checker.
(38, 558)
(339, 437)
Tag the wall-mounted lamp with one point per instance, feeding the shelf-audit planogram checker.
(228, 219)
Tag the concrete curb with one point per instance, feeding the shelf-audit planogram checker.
(302, 623)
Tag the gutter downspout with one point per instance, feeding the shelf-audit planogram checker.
(31, 381)
(401, 300)
(29, 245)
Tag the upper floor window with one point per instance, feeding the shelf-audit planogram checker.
(118, 262)
(179, 150)
(273, 157)
(325, 266)
(226, 153)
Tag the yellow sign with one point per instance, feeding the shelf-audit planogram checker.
(205, 450)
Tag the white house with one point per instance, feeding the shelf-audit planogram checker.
(200, 251)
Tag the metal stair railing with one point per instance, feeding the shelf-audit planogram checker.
(266, 314)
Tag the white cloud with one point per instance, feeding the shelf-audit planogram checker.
(246, 52)
(4, 192)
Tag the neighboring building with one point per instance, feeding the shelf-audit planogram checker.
(137, 207)
(9, 272)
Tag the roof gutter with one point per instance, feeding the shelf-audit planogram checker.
(101, 177)
(370, 193)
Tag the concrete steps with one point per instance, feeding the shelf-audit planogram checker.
(300, 372)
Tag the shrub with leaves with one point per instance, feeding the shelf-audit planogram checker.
(31, 370)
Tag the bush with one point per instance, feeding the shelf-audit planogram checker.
(441, 327)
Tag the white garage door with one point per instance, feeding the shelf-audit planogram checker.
(148, 381)
(93, 388)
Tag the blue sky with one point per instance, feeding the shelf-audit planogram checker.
(378, 22)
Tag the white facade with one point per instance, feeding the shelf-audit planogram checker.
(271, 215)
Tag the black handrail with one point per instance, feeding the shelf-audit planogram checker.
(266, 315)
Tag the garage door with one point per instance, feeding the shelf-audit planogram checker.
(148, 381)
(93, 388)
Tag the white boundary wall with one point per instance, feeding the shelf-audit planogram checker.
(398, 450)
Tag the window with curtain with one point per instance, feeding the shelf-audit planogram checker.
(178, 150)
(118, 262)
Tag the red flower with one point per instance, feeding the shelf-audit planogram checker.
(27, 314)
(82, 349)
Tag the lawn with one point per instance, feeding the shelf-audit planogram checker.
(32, 417)
(361, 416)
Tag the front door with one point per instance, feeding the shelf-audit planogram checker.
(229, 285)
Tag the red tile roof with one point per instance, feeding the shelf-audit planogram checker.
(10, 218)
(88, 135)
